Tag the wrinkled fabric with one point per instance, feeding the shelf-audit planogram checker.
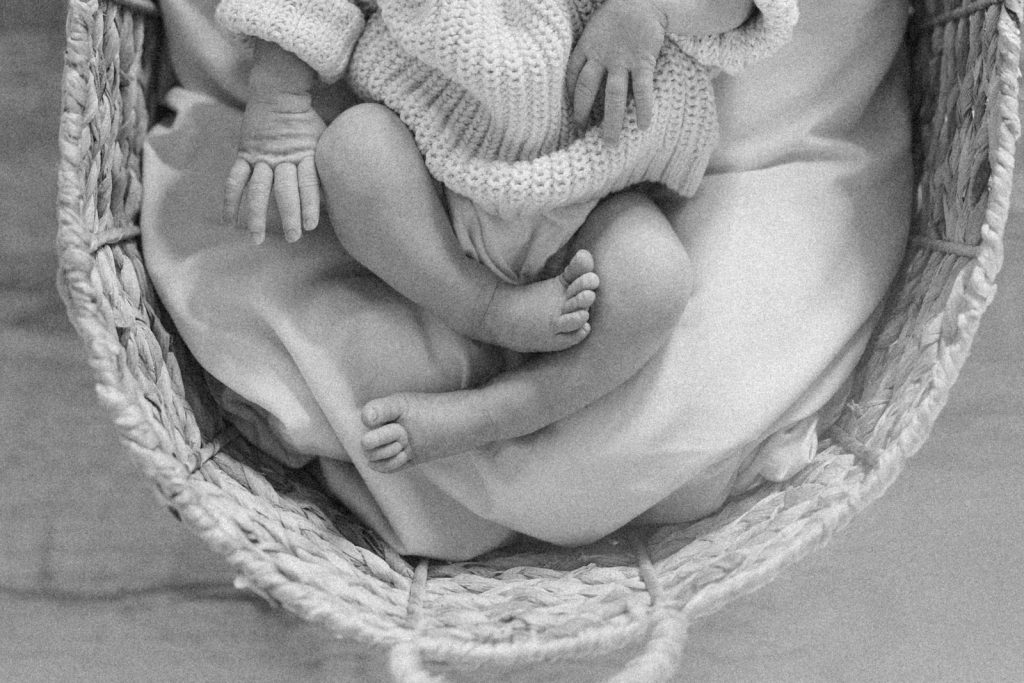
(794, 236)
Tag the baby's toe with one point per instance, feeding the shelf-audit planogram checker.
(570, 322)
(573, 338)
(381, 411)
(385, 452)
(587, 282)
(579, 302)
(582, 262)
(384, 435)
(392, 464)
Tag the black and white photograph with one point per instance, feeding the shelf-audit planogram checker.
(282, 399)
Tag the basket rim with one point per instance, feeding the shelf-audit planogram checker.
(119, 392)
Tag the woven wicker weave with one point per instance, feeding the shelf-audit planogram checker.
(292, 545)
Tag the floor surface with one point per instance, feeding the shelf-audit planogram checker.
(98, 583)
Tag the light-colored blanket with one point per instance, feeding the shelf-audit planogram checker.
(794, 236)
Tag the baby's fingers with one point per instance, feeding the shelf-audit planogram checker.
(238, 176)
(286, 192)
(572, 73)
(309, 193)
(616, 90)
(642, 85)
(258, 198)
(588, 84)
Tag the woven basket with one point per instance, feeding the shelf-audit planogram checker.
(295, 547)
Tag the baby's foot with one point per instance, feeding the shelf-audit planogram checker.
(410, 429)
(549, 315)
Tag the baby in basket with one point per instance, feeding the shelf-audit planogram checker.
(515, 133)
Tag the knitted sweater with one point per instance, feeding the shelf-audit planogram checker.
(481, 84)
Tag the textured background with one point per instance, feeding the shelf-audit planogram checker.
(97, 583)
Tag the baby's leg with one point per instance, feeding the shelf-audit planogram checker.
(387, 213)
(645, 284)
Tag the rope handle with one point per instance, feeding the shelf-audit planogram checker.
(657, 663)
(659, 660)
(406, 664)
(666, 633)
(404, 660)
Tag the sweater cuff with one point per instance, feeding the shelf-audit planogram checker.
(322, 33)
(766, 31)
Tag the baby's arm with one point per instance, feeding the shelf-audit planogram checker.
(620, 45)
(280, 130)
(703, 17)
(296, 42)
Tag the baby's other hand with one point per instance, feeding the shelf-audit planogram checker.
(275, 155)
(619, 48)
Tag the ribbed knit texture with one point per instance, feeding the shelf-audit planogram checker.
(733, 51)
(321, 33)
(481, 84)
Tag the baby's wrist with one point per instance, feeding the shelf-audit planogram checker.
(280, 102)
(703, 17)
(277, 72)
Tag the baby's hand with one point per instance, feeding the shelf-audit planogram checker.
(619, 47)
(279, 136)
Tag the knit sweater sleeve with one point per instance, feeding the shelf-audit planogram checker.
(321, 33)
(764, 33)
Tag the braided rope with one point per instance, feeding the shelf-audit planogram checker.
(869, 457)
(959, 13)
(114, 235)
(404, 660)
(535, 603)
(946, 246)
(667, 636)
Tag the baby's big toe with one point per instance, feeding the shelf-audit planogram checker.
(381, 411)
(582, 262)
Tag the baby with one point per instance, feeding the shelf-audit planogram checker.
(510, 132)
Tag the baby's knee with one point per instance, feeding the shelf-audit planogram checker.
(639, 254)
(356, 141)
(668, 282)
